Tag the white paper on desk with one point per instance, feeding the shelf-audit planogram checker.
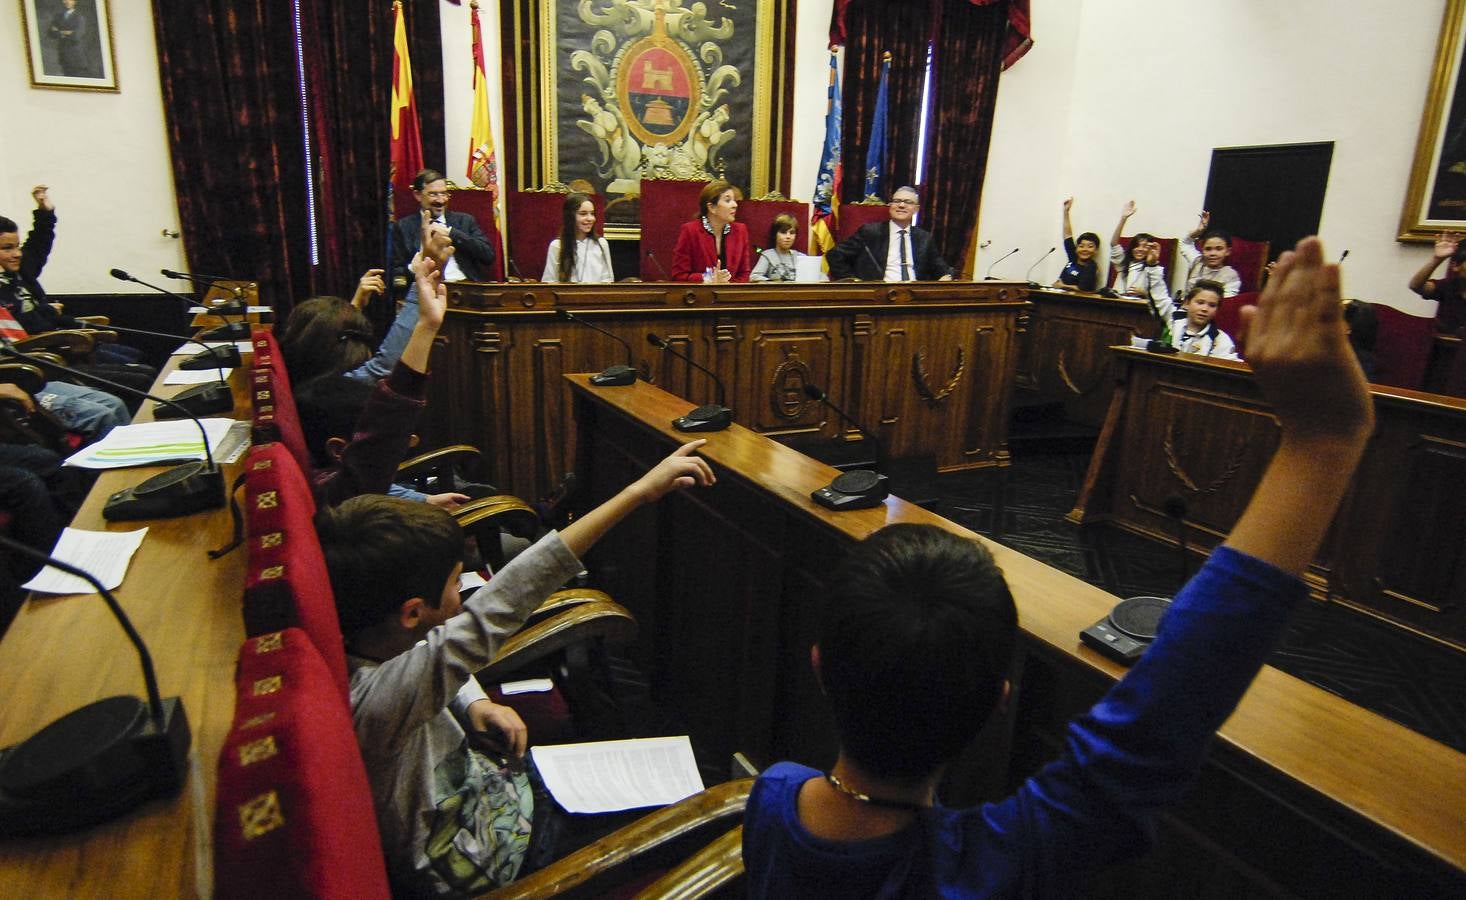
(150, 443)
(195, 376)
(188, 348)
(104, 554)
(200, 311)
(607, 776)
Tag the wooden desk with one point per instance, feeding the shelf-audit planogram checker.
(724, 582)
(1065, 356)
(930, 365)
(63, 652)
(1196, 427)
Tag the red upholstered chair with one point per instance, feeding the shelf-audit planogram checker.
(665, 206)
(534, 221)
(479, 204)
(854, 215)
(759, 215)
(293, 815)
(275, 415)
(1168, 257)
(1229, 315)
(1402, 347)
(286, 582)
(1249, 258)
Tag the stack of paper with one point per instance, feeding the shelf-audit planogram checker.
(151, 444)
(607, 776)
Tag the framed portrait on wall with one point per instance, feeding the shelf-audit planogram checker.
(69, 44)
(612, 92)
(1436, 198)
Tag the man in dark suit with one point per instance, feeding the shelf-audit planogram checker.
(890, 251)
(473, 255)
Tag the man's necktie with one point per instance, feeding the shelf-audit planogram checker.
(905, 271)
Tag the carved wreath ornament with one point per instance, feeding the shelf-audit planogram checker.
(922, 379)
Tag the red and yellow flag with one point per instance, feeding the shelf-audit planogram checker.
(483, 167)
(406, 136)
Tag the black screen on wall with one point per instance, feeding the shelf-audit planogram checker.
(1272, 193)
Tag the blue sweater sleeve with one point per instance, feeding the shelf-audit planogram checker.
(387, 355)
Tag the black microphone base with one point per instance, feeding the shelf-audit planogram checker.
(1127, 632)
(710, 417)
(199, 400)
(224, 357)
(234, 331)
(180, 491)
(1160, 347)
(859, 489)
(614, 376)
(92, 765)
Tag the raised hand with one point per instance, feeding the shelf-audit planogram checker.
(1299, 350)
(40, 193)
(1445, 247)
(437, 241)
(370, 284)
(677, 472)
(1128, 209)
(1203, 220)
(432, 294)
(1068, 203)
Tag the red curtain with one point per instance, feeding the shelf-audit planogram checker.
(873, 27)
(965, 67)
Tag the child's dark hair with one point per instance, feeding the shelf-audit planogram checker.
(1136, 241)
(782, 223)
(1205, 284)
(1217, 233)
(1363, 324)
(1456, 258)
(8, 225)
(329, 407)
(569, 234)
(324, 336)
(1088, 236)
(382, 551)
(915, 642)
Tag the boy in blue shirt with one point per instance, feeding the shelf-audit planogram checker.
(913, 650)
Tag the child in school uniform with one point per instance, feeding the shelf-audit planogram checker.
(778, 262)
(1138, 271)
(1205, 252)
(1192, 327)
(1082, 272)
(919, 628)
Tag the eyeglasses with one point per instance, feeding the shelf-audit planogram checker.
(904, 202)
(436, 194)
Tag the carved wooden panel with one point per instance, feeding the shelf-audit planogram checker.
(1065, 355)
(785, 358)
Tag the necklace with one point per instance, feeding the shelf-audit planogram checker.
(840, 786)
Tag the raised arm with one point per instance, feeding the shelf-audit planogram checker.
(1126, 212)
(1068, 226)
(1445, 248)
(677, 472)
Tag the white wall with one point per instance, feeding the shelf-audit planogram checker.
(1355, 74)
(104, 157)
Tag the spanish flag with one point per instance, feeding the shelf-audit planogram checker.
(406, 136)
(483, 166)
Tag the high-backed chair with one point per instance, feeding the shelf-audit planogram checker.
(1229, 315)
(665, 206)
(758, 216)
(275, 415)
(534, 221)
(854, 215)
(1249, 258)
(1402, 347)
(294, 814)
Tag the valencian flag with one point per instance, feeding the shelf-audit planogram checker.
(406, 138)
(875, 154)
(483, 166)
(827, 186)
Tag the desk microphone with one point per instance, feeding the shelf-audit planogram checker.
(1028, 276)
(708, 417)
(989, 275)
(179, 491)
(880, 269)
(230, 331)
(856, 489)
(234, 305)
(1157, 345)
(611, 376)
(651, 255)
(514, 266)
(207, 358)
(97, 762)
(1127, 632)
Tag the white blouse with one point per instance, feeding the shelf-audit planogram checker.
(592, 261)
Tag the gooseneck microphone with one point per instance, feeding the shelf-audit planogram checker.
(207, 358)
(100, 761)
(1028, 276)
(235, 304)
(228, 331)
(179, 491)
(856, 489)
(611, 376)
(989, 276)
(651, 255)
(1343, 256)
(708, 417)
(880, 269)
(514, 266)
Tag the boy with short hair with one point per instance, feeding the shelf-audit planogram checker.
(452, 818)
(915, 642)
(1206, 251)
(1192, 326)
(1082, 272)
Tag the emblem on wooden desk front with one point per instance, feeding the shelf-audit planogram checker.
(922, 379)
(1173, 463)
(786, 387)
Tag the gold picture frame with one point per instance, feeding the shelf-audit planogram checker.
(68, 44)
(1435, 200)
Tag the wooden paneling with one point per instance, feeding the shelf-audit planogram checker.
(929, 365)
(1199, 429)
(725, 583)
(1065, 357)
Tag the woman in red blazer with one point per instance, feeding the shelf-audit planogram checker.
(713, 248)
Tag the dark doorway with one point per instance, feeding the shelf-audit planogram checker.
(1272, 193)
